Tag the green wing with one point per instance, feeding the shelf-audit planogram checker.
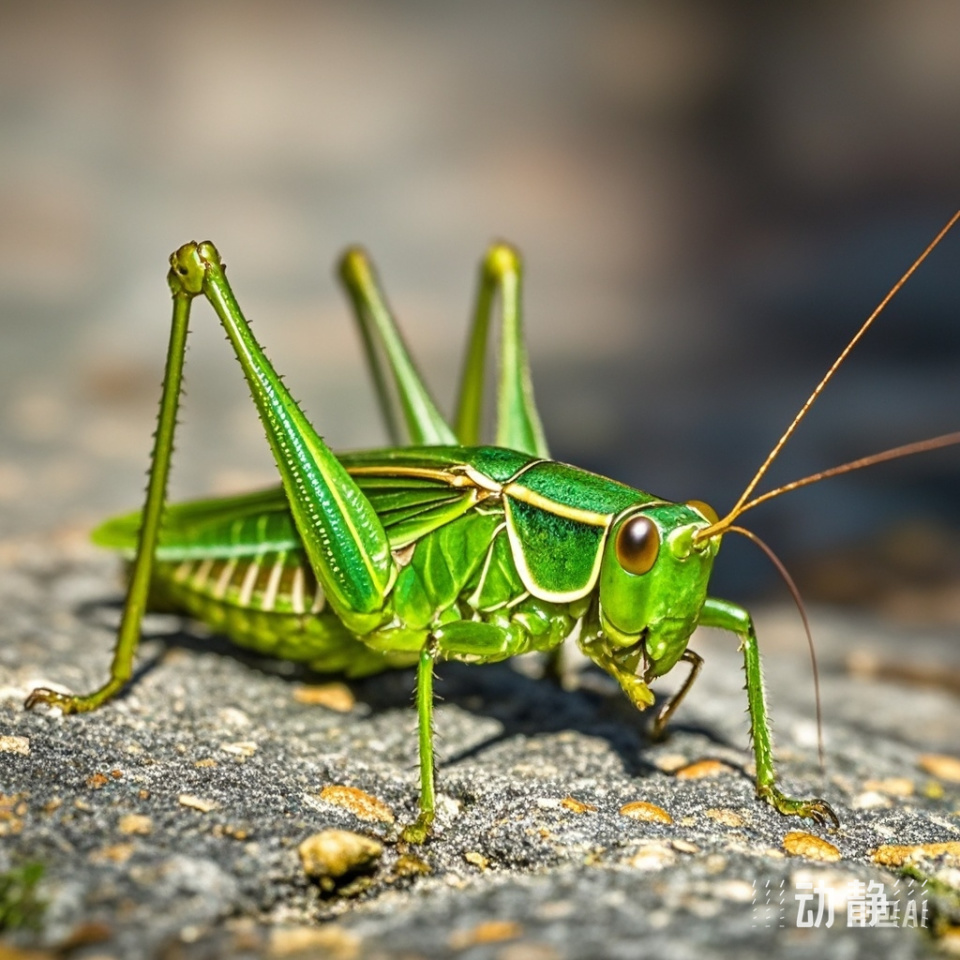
(228, 527)
(257, 523)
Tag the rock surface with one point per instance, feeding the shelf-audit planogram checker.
(169, 821)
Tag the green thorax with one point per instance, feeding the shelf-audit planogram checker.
(552, 518)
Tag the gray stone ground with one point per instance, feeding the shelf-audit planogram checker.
(513, 871)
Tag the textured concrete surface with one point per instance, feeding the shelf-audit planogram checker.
(169, 821)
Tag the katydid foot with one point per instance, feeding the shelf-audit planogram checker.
(71, 703)
(418, 831)
(816, 809)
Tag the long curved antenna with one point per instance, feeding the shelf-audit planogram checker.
(724, 524)
(792, 587)
(907, 450)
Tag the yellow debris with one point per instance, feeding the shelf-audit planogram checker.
(476, 859)
(702, 769)
(360, 804)
(135, 823)
(729, 818)
(895, 854)
(490, 931)
(197, 803)
(641, 810)
(329, 941)
(941, 766)
(800, 844)
(333, 696)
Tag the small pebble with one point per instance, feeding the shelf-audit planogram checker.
(231, 830)
(116, 853)
(476, 859)
(333, 696)
(577, 806)
(448, 808)
(800, 844)
(641, 810)
(670, 762)
(408, 865)
(729, 818)
(702, 769)
(490, 931)
(197, 803)
(233, 717)
(242, 748)
(11, 744)
(135, 823)
(652, 856)
(12, 809)
(331, 854)
(739, 891)
(941, 766)
(871, 800)
(893, 786)
(329, 941)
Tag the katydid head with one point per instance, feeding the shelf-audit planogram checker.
(654, 577)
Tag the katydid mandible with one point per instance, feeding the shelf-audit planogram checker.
(443, 549)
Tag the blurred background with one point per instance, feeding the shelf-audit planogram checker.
(710, 198)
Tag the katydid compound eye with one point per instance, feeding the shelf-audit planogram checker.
(704, 508)
(638, 544)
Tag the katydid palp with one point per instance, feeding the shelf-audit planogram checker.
(443, 549)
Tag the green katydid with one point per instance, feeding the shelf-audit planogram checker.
(442, 549)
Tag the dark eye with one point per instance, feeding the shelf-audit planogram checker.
(638, 544)
(705, 509)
